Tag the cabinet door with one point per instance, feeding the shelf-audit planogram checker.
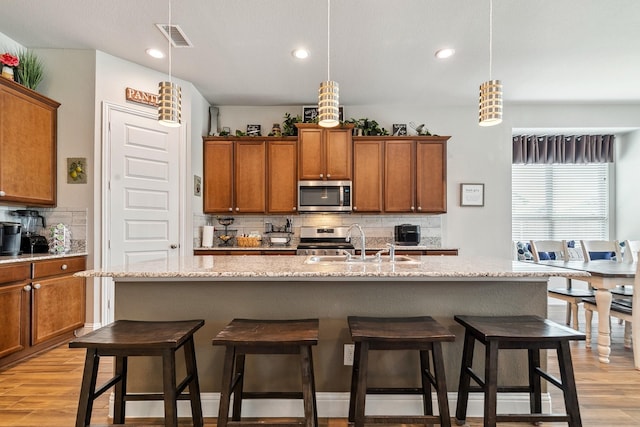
(399, 176)
(338, 152)
(27, 146)
(58, 306)
(14, 310)
(282, 179)
(431, 177)
(310, 154)
(250, 173)
(218, 177)
(368, 164)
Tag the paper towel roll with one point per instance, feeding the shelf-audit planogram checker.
(207, 236)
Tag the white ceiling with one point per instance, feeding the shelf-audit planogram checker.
(382, 52)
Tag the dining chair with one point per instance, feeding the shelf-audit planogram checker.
(572, 296)
(631, 248)
(600, 249)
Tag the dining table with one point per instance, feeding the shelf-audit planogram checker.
(607, 275)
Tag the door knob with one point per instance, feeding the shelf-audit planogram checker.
(27, 288)
(174, 246)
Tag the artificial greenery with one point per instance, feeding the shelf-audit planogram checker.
(30, 70)
(368, 127)
(289, 125)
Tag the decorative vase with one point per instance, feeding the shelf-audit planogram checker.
(7, 72)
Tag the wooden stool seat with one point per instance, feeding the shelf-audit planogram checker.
(423, 334)
(249, 336)
(531, 333)
(124, 338)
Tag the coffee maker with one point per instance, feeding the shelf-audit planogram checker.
(10, 238)
(31, 242)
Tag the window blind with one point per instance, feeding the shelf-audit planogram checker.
(560, 201)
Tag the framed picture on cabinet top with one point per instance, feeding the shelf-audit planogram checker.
(254, 130)
(310, 114)
(399, 129)
(471, 194)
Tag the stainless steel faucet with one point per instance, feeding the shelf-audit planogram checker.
(363, 253)
(392, 251)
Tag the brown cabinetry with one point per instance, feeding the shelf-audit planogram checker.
(415, 177)
(41, 304)
(368, 167)
(28, 129)
(282, 181)
(234, 176)
(324, 153)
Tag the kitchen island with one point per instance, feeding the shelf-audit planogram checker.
(220, 288)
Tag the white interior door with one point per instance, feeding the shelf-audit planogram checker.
(143, 191)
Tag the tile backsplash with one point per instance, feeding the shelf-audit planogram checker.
(74, 218)
(378, 228)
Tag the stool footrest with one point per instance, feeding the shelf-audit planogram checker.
(272, 395)
(139, 397)
(504, 389)
(394, 390)
(531, 417)
(401, 419)
(266, 422)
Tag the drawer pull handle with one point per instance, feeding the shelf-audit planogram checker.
(36, 286)
(64, 266)
(27, 288)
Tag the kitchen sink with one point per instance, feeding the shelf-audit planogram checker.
(330, 259)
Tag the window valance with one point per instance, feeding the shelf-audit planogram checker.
(546, 149)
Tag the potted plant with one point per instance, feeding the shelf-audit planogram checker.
(30, 70)
(9, 62)
(289, 125)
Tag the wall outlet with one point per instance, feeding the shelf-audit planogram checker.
(349, 350)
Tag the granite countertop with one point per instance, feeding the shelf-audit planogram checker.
(293, 247)
(252, 267)
(38, 257)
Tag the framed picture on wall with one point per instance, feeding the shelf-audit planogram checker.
(471, 194)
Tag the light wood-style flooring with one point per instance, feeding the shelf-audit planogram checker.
(43, 391)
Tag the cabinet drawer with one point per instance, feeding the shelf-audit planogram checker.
(58, 266)
(15, 272)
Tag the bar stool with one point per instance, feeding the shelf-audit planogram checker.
(125, 338)
(532, 333)
(247, 336)
(423, 334)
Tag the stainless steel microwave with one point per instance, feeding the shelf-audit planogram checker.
(324, 196)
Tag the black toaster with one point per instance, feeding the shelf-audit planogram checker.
(407, 235)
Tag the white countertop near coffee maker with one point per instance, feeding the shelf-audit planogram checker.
(9, 259)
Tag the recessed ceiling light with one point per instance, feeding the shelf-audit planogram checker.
(445, 53)
(155, 53)
(300, 53)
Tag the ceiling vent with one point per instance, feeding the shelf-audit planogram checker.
(175, 35)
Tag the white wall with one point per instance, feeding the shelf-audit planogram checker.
(627, 181)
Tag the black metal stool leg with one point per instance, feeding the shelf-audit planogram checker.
(308, 387)
(120, 390)
(355, 372)
(465, 378)
(225, 389)
(169, 385)
(569, 384)
(194, 385)
(490, 383)
(87, 390)
(441, 384)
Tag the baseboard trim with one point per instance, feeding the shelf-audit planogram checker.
(336, 405)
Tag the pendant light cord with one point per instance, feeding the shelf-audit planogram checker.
(490, 36)
(328, 40)
(169, 37)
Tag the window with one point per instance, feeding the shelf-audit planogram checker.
(560, 201)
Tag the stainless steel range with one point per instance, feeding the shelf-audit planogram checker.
(324, 240)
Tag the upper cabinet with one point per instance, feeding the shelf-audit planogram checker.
(368, 167)
(28, 129)
(234, 176)
(324, 153)
(415, 175)
(250, 175)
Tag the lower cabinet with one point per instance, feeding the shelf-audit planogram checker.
(241, 252)
(41, 305)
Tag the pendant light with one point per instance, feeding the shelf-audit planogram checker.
(490, 91)
(328, 94)
(169, 93)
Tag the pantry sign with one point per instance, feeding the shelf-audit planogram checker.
(140, 97)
